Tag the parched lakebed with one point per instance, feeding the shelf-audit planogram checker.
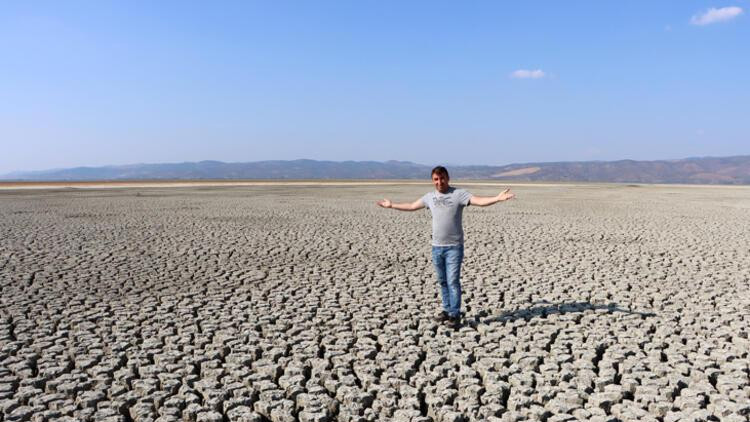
(310, 303)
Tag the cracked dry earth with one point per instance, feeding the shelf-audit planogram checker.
(583, 302)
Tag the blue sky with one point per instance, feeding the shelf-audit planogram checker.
(481, 82)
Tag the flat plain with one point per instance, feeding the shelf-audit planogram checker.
(310, 303)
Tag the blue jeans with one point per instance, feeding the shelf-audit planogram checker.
(447, 261)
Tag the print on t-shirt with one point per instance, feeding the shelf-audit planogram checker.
(442, 202)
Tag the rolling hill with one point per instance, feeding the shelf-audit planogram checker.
(706, 170)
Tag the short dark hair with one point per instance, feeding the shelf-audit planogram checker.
(440, 171)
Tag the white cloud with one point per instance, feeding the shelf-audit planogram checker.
(714, 15)
(527, 74)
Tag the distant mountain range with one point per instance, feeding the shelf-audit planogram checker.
(706, 170)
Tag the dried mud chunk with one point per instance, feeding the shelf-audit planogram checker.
(264, 406)
(561, 417)
(691, 399)
(143, 410)
(284, 412)
(405, 415)
(51, 415)
(519, 400)
(7, 387)
(313, 416)
(209, 416)
(168, 418)
(8, 405)
(26, 393)
(628, 411)
(447, 414)
(243, 414)
(84, 414)
(190, 413)
(171, 412)
(385, 402)
(214, 398)
(490, 410)
(21, 413)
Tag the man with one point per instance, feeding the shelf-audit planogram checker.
(446, 205)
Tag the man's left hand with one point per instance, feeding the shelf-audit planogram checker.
(505, 195)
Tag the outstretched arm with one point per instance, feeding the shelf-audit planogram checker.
(405, 206)
(484, 201)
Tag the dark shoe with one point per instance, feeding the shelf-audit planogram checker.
(454, 322)
(442, 317)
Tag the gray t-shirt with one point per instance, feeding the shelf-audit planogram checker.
(447, 210)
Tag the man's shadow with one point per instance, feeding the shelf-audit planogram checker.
(542, 309)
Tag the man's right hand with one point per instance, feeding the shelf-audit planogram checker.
(385, 203)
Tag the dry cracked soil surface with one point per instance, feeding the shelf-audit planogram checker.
(283, 303)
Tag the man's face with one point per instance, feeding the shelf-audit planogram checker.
(441, 182)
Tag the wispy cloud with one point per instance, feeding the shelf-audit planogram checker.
(714, 15)
(527, 74)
